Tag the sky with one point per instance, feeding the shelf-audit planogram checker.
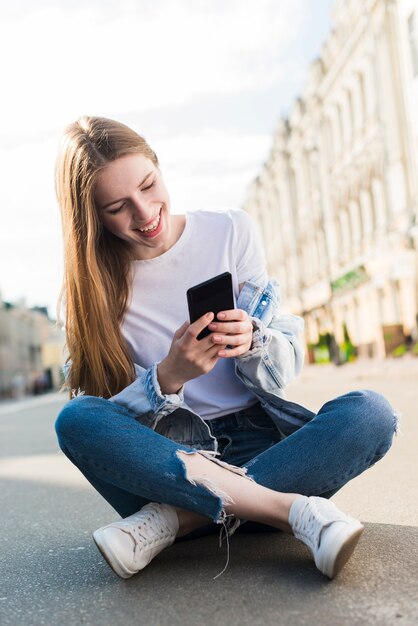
(204, 81)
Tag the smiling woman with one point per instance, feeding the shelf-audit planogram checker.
(153, 406)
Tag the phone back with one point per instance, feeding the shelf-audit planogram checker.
(215, 294)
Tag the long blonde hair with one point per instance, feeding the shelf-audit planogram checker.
(96, 283)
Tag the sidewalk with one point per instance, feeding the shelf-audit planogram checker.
(19, 404)
(406, 366)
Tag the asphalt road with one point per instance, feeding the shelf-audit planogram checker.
(51, 572)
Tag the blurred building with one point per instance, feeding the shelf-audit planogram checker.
(337, 199)
(31, 349)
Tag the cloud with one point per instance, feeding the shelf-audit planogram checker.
(227, 161)
(68, 59)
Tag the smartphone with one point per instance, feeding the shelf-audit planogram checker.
(215, 294)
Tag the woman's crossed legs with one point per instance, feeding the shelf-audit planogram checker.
(131, 465)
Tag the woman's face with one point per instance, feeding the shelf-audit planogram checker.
(133, 204)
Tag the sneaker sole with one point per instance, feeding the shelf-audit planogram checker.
(110, 557)
(346, 550)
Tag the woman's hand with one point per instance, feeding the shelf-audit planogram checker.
(188, 357)
(235, 329)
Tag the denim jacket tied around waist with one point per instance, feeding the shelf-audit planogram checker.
(275, 359)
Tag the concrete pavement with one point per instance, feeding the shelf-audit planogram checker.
(52, 573)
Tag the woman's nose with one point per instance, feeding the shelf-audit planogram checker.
(140, 207)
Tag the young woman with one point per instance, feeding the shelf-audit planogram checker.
(180, 434)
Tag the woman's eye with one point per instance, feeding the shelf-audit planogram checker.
(114, 211)
(149, 186)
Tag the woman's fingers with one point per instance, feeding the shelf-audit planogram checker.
(233, 352)
(231, 340)
(180, 331)
(196, 328)
(214, 350)
(233, 328)
(238, 315)
(233, 322)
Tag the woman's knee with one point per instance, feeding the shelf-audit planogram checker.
(373, 417)
(378, 410)
(75, 417)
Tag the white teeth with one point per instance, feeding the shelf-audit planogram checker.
(153, 225)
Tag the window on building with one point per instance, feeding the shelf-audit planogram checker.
(396, 307)
(333, 240)
(362, 98)
(340, 126)
(355, 223)
(346, 117)
(413, 42)
(346, 238)
(378, 203)
(339, 236)
(351, 111)
(366, 208)
(356, 102)
(304, 179)
(313, 171)
(329, 142)
(293, 191)
(322, 252)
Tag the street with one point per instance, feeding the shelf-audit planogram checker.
(52, 573)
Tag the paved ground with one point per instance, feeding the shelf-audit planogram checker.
(51, 572)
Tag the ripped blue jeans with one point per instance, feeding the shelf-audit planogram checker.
(130, 464)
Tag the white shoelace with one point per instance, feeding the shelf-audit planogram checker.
(310, 522)
(229, 525)
(149, 529)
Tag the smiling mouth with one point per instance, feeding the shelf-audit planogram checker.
(152, 226)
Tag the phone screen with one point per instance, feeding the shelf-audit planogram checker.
(215, 294)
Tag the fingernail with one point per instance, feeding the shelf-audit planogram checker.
(209, 315)
(221, 316)
(213, 326)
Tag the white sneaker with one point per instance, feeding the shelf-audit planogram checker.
(130, 544)
(330, 534)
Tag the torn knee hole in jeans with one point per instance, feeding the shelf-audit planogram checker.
(206, 482)
(211, 484)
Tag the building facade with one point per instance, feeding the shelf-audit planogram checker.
(337, 199)
(31, 351)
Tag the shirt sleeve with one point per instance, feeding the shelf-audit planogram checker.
(248, 248)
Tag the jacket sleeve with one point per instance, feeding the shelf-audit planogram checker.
(276, 355)
(143, 396)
